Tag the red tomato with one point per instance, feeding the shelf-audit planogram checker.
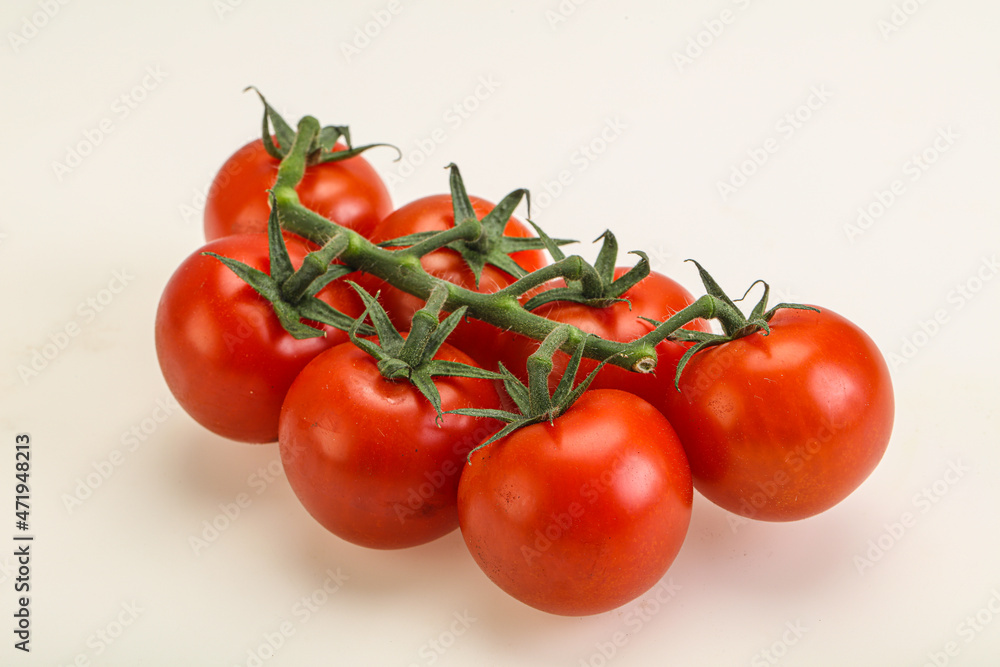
(582, 515)
(349, 192)
(435, 213)
(365, 455)
(656, 297)
(223, 352)
(784, 426)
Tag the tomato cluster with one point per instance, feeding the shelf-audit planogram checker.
(582, 507)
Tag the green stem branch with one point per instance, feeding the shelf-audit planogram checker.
(501, 309)
(469, 230)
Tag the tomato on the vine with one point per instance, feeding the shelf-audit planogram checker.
(367, 456)
(433, 214)
(223, 352)
(583, 514)
(783, 426)
(656, 296)
(349, 192)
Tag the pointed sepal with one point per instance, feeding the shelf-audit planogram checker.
(597, 286)
(322, 149)
(534, 401)
(411, 358)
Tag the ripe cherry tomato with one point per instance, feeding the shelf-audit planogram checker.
(223, 352)
(581, 515)
(366, 456)
(349, 192)
(656, 297)
(435, 213)
(784, 426)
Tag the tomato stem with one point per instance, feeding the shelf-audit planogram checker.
(422, 325)
(402, 269)
(314, 266)
(705, 307)
(570, 268)
(468, 230)
(293, 166)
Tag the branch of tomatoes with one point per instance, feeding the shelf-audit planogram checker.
(778, 417)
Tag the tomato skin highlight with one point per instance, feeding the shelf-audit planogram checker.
(784, 426)
(349, 192)
(656, 297)
(435, 213)
(224, 354)
(583, 515)
(365, 456)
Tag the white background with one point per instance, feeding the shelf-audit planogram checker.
(894, 77)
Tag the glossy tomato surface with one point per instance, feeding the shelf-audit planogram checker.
(582, 515)
(783, 426)
(656, 297)
(434, 213)
(349, 192)
(365, 455)
(223, 352)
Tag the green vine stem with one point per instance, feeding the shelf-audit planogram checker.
(402, 269)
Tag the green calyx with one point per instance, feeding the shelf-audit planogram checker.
(412, 358)
(734, 323)
(293, 293)
(322, 145)
(534, 402)
(479, 242)
(596, 286)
